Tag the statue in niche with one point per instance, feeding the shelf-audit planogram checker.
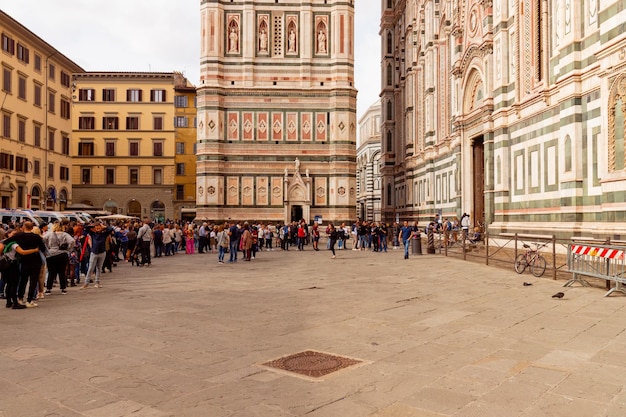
(297, 165)
(292, 41)
(321, 42)
(263, 40)
(233, 40)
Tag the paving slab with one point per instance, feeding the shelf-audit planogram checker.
(436, 337)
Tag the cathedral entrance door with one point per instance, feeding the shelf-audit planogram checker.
(296, 213)
(478, 180)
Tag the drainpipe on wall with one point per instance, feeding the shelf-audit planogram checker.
(46, 133)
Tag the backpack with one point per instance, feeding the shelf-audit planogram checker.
(5, 261)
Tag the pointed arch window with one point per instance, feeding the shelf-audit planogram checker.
(389, 43)
(617, 125)
(389, 75)
(389, 110)
(389, 141)
(568, 153)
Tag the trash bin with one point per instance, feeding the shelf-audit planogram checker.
(416, 246)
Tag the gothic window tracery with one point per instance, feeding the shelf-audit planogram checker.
(617, 124)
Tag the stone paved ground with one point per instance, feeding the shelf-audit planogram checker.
(437, 336)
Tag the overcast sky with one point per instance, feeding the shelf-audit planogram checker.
(163, 36)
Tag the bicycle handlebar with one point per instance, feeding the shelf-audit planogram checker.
(537, 245)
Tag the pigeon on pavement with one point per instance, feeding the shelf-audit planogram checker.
(558, 295)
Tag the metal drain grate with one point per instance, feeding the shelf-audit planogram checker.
(312, 364)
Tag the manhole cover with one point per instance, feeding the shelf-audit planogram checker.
(312, 364)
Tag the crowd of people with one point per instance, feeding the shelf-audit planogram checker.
(72, 254)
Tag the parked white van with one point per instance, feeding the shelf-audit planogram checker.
(51, 216)
(19, 216)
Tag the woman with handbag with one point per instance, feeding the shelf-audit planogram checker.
(59, 245)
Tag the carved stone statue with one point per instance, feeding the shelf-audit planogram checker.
(263, 41)
(321, 42)
(292, 41)
(233, 41)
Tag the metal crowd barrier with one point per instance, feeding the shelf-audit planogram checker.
(599, 261)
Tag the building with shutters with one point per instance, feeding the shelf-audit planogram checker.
(124, 142)
(35, 120)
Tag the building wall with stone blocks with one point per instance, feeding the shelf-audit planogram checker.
(276, 112)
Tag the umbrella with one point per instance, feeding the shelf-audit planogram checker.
(117, 217)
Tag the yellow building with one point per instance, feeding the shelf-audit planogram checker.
(124, 142)
(35, 120)
(185, 159)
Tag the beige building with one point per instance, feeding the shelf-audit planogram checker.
(511, 111)
(36, 128)
(185, 159)
(368, 165)
(124, 142)
(277, 111)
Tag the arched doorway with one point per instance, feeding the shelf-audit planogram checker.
(62, 199)
(111, 206)
(474, 151)
(134, 208)
(51, 199)
(478, 180)
(157, 211)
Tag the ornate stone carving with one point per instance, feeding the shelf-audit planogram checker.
(617, 97)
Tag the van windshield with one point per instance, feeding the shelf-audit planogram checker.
(38, 219)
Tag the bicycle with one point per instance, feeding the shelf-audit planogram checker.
(531, 259)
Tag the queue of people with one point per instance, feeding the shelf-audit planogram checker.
(71, 254)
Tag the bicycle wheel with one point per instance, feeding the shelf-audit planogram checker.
(520, 263)
(538, 265)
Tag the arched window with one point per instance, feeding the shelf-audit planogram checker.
(389, 201)
(619, 134)
(617, 124)
(389, 75)
(35, 197)
(389, 43)
(389, 141)
(389, 111)
(568, 153)
(389, 4)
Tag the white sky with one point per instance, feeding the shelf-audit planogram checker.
(163, 35)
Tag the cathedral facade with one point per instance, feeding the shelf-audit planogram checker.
(510, 110)
(276, 111)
